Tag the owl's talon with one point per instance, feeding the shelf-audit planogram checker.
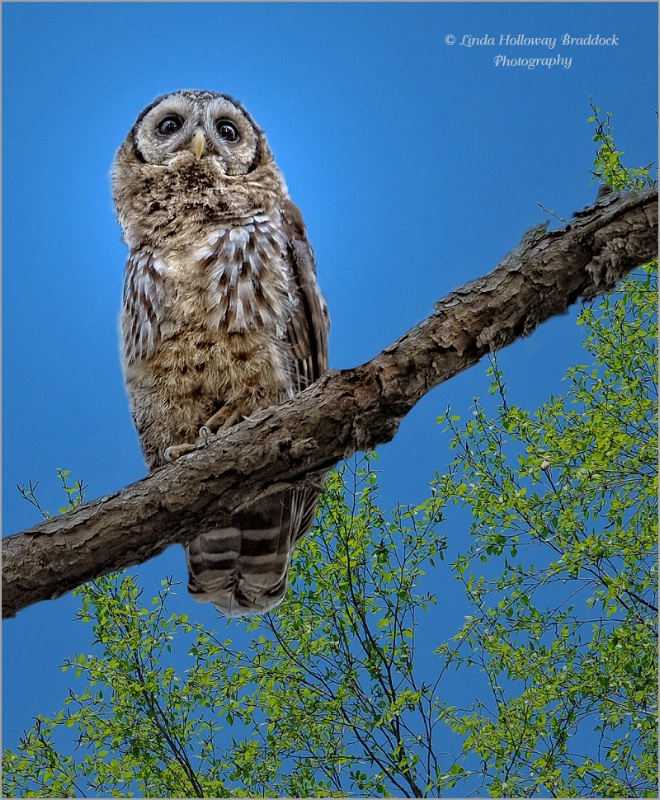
(220, 421)
(175, 452)
(204, 434)
(232, 420)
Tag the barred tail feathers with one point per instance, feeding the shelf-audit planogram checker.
(243, 569)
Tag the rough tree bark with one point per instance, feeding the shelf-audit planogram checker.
(342, 413)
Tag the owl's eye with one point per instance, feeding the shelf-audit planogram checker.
(169, 125)
(227, 131)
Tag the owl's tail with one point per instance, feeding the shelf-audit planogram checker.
(243, 569)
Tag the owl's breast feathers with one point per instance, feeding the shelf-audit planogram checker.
(247, 271)
(205, 327)
(233, 281)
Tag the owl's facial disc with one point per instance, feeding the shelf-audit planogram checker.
(188, 127)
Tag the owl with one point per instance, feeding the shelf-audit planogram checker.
(221, 316)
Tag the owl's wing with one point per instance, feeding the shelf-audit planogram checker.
(144, 305)
(309, 326)
(307, 335)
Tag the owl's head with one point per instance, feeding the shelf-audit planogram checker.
(191, 157)
(191, 125)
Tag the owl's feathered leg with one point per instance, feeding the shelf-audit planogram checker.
(222, 419)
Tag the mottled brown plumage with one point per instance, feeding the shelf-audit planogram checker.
(221, 316)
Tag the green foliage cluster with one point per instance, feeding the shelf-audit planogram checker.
(608, 167)
(339, 693)
(564, 503)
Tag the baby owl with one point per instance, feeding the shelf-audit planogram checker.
(222, 316)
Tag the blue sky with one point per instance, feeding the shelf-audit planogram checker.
(417, 165)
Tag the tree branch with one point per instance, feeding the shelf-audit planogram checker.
(342, 413)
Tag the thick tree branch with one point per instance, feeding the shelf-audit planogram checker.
(342, 413)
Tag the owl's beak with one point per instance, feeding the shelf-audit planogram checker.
(198, 144)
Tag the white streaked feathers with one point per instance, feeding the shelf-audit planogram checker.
(144, 304)
(248, 284)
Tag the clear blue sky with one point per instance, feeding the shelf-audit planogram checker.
(417, 165)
